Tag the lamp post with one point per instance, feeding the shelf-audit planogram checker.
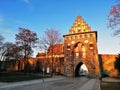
(44, 62)
(43, 73)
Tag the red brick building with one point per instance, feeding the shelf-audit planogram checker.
(58, 59)
(79, 47)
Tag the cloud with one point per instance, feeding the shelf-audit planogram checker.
(8, 34)
(27, 1)
(8, 31)
(1, 20)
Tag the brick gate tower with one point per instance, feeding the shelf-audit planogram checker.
(80, 47)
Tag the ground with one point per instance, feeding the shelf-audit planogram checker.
(56, 83)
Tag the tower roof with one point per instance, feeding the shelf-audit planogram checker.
(79, 26)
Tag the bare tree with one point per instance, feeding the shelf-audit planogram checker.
(114, 18)
(26, 39)
(50, 38)
(1, 41)
(1, 46)
(10, 52)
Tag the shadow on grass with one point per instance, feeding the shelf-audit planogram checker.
(17, 76)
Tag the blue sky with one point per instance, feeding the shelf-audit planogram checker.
(39, 15)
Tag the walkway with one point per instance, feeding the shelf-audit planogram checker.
(108, 79)
(93, 84)
(54, 83)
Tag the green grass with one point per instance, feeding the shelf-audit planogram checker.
(110, 85)
(16, 77)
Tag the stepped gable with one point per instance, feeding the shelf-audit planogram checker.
(79, 26)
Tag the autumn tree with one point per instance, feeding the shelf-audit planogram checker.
(50, 38)
(27, 40)
(114, 24)
(114, 18)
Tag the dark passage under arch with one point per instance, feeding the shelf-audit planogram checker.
(77, 69)
(81, 70)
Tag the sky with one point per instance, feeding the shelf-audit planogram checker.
(39, 15)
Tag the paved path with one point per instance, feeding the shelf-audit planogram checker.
(55, 83)
(92, 84)
(108, 79)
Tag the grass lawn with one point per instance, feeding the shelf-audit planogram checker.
(15, 77)
(110, 85)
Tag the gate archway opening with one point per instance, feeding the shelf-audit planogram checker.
(81, 70)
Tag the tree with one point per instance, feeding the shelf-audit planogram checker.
(1, 41)
(1, 45)
(114, 18)
(50, 38)
(27, 40)
(10, 52)
(117, 63)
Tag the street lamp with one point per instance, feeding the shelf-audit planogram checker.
(45, 47)
(43, 73)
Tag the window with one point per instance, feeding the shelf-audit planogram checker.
(91, 35)
(78, 24)
(79, 31)
(74, 31)
(67, 37)
(77, 54)
(91, 46)
(75, 36)
(85, 36)
(68, 47)
(80, 36)
(83, 51)
(83, 54)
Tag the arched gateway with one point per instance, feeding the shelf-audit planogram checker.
(80, 45)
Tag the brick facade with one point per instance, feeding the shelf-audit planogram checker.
(80, 45)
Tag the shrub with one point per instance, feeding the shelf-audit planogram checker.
(105, 73)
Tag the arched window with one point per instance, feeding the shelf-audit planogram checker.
(83, 51)
(91, 45)
(80, 51)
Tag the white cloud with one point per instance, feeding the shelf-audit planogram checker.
(1, 20)
(8, 31)
(27, 1)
